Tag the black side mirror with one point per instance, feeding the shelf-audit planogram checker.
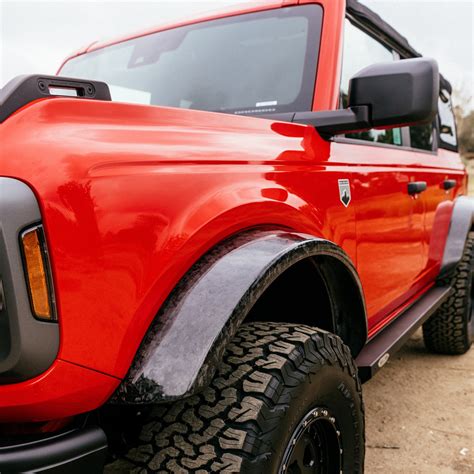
(401, 92)
(382, 96)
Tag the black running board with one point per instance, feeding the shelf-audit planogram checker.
(379, 349)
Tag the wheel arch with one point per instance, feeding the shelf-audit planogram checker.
(319, 291)
(187, 339)
(462, 222)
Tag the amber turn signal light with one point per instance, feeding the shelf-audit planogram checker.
(37, 274)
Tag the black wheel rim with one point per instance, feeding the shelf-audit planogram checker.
(315, 445)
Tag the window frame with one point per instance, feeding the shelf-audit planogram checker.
(442, 144)
(405, 131)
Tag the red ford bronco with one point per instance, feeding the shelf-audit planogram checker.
(212, 232)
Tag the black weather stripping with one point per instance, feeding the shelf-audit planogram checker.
(22, 90)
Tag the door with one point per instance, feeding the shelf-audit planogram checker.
(391, 255)
(390, 229)
(443, 171)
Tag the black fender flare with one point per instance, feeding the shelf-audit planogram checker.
(186, 341)
(462, 222)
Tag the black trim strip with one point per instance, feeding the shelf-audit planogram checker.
(69, 453)
(355, 141)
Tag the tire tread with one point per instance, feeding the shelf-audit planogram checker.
(228, 427)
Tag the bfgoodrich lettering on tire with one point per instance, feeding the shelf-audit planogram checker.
(285, 399)
(450, 329)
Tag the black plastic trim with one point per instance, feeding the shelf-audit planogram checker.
(413, 98)
(335, 122)
(417, 187)
(328, 122)
(401, 92)
(448, 184)
(379, 349)
(448, 146)
(28, 346)
(22, 90)
(186, 342)
(74, 452)
(372, 24)
(462, 222)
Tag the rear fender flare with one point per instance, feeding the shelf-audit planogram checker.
(462, 222)
(187, 339)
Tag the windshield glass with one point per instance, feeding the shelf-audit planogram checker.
(261, 62)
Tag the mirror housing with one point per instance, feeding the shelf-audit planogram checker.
(401, 92)
(384, 95)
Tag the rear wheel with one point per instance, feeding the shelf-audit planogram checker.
(450, 329)
(286, 399)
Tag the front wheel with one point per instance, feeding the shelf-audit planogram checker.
(286, 399)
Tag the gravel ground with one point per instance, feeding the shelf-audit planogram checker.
(420, 413)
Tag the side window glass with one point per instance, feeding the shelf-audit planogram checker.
(447, 124)
(361, 50)
(421, 136)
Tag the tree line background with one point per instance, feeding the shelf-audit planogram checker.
(464, 112)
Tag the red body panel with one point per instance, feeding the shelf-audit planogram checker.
(131, 196)
(133, 186)
(399, 249)
(64, 390)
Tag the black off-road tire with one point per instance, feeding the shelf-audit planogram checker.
(273, 377)
(449, 330)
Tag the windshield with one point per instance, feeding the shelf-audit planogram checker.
(255, 63)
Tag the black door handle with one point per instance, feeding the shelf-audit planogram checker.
(449, 184)
(417, 187)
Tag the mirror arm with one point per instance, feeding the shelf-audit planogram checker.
(382, 96)
(336, 122)
(329, 122)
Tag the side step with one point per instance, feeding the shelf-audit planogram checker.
(379, 349)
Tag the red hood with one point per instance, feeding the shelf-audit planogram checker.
(83, 139)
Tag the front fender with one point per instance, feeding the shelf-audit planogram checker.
(186, 342)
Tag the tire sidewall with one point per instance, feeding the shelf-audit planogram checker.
(335, 390)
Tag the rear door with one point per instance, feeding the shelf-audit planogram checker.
(435, 147)
(391, 255)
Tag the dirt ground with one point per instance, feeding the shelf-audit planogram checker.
(420, 413)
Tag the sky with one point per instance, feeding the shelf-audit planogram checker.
(36, 35)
